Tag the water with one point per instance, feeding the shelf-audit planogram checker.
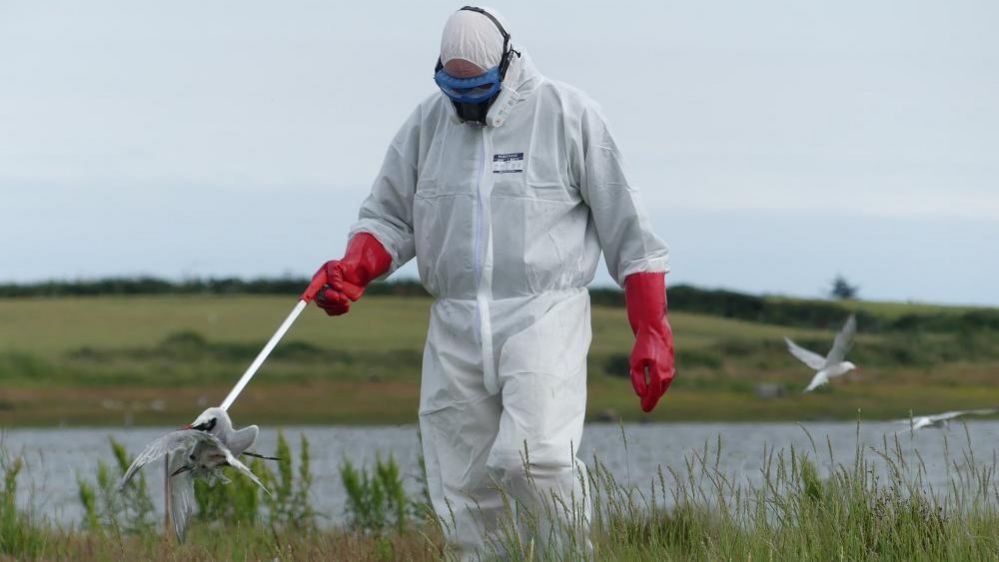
(633, 453)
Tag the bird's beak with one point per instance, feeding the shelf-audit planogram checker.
(180, 470)
(188, 426)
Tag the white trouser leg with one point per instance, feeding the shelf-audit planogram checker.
(474, 441)
(542, 372)
(458, 423)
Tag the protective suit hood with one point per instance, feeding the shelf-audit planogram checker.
(475, 37)
(480, 35)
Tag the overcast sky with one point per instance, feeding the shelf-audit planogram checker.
(777, 143)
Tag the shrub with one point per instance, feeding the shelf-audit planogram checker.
(289, 504)
(239, 502)
(375, 502)
(129, 510)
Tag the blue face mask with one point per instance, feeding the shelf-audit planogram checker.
(474, 90)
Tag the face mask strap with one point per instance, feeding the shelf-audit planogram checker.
(507, 51)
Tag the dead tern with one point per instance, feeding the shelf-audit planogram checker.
(198, 450)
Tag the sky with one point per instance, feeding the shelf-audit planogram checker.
(776, 143)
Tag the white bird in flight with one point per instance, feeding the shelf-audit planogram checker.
(198, 450)
(941, 420)
(833, 364)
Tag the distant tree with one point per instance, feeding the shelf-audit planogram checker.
(842, 289)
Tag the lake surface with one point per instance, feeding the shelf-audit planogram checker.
(632, 452)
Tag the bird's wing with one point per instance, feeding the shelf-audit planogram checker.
(951, 415)
(235, 463)
(915, 422)
(945, 416)
(243, 439)
(181, 496)
(843, 343)
(810, 358)
(983, 411)
(180, 439)
(818, 380)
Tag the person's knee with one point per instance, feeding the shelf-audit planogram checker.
(519, 468)
(504, 465)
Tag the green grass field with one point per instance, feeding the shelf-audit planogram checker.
(157, 359)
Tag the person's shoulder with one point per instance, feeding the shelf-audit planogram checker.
(569, 94)
(433, 102)
(430, 105)
(430, 109)
(577, 106)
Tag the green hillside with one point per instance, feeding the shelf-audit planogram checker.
(158, 359)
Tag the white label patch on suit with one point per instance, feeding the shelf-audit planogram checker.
(511, 163)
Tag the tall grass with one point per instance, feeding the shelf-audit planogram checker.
(20, 534)
(802, 505)
(878, 507)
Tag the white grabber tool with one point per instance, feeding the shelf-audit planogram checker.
(310, 293)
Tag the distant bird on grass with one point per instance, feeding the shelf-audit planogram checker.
(941, 420)
(833, 364)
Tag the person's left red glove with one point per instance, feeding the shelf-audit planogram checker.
(345, 279)
(652, 364)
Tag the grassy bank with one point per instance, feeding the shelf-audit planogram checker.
(807, 507)
(154, 359)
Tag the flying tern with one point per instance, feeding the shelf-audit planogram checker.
(833, 364)
(941, 420)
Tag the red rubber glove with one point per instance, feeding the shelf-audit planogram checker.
(345, 279)
(652, 367)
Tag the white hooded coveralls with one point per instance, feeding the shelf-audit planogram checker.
(507, 222)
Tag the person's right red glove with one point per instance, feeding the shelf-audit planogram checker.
(651, 362)
(345, 279)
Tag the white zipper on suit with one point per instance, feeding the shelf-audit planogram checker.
(484, 262)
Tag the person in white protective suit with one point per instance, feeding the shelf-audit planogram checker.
(505, 186)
